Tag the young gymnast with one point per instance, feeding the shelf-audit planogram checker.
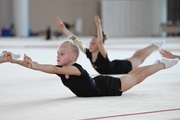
(168, 54)
(3, 59)
(78, 80)
(99, 57)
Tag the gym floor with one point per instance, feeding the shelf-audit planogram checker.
(26, 94)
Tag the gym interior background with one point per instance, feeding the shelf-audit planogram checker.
(122, 18)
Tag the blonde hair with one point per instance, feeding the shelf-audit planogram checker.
(74, 47)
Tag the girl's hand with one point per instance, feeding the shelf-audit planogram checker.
(60, 23)
(97, 20)
(8, 56)
(28, 61)
(165, 53)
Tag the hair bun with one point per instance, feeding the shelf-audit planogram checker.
(105, 37)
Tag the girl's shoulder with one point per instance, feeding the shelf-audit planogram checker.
(77, 65)
(81, 69)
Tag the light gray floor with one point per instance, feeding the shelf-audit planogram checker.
(31, 95)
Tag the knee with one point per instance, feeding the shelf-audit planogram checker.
(136, 62)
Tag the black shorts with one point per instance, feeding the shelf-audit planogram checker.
(108, 85)
(121, 66)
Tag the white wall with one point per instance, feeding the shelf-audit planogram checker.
(131, 17)
(159, 15)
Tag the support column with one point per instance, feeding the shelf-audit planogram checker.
(21, 19)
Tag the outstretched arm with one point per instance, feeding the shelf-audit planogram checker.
(70, 35)
(100, 36)
(168, 54)
(61, 25)
(47, 68)
(9, 58)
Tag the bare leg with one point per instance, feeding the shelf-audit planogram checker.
(140, 55)
(137, 69)
(130, 80)
(139, 74)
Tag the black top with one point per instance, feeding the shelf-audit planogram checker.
(85, 86)
(105, 66)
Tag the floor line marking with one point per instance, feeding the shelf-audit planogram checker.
(131, 114)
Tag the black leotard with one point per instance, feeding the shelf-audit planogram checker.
(105, 66)
(86, 86)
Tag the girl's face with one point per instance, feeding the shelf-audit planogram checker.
(65, 56)
(93, 47)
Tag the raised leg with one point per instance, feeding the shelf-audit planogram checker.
(139, 74)
(140, 55)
